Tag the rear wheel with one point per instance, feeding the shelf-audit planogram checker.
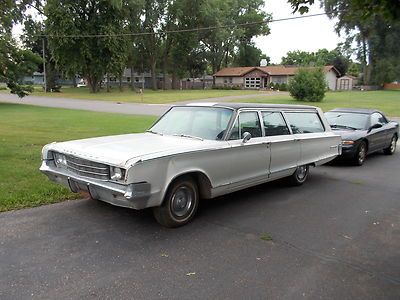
(392, 148)
(299, 176)
(180, 203)
(360, 155)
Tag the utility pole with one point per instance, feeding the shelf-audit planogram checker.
(44, 65)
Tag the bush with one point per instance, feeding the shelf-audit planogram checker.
(308, 85)
(283, 87)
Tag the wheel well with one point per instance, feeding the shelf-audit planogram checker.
(395, 134)
(202, 181)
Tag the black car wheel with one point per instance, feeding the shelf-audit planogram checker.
(361, 154)
(299, 176)
(392, 148)
(180, 203)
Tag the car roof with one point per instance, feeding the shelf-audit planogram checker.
(237, 106)
(356, 110)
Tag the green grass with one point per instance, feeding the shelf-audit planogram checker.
(23, 132)
(386, 101)
(149, 96)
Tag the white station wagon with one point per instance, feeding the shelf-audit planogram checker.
(195, 151)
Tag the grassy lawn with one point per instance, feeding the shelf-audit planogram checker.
(149, 96)
(23, 132)
(386, 101)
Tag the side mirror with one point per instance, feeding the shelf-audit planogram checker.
(246, 137)
(375, 126)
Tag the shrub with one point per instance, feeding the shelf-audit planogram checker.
(308, 85)
(283, 87)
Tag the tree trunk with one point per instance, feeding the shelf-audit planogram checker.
(93, 84)
(108, 83)
(74, 84)
(165, 77)
(153, 74)
(120, 83)
(174, 82)
(132, 79)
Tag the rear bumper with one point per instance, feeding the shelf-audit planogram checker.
(134, 195)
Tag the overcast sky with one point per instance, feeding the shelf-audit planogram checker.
(309, 34)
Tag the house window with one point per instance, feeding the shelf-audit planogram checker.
(137, 79)
(252, 82)
(230, 79)
(128, 79)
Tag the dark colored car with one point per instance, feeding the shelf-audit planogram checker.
(363, 132)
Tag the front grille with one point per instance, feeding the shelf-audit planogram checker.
(87, 168)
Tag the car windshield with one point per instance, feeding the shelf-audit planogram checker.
(209, 123)
(347, 120)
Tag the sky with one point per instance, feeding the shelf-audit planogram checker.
(309, 34)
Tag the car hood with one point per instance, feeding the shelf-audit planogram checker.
(351, 135)
(121, 150)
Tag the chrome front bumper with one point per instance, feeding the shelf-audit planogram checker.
(134, 195)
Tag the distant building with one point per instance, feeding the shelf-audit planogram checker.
(262, 77)
(346, 83)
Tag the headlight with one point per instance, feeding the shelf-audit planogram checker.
(346, 142)
(117, 173)
(60, 160)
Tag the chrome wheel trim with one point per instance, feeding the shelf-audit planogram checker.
(182, 202)
(361, 154)
(301, 172)
(393, 145)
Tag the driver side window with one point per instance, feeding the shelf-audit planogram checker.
(246, 122)
(377, 118)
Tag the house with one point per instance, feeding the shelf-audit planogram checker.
(262, 77)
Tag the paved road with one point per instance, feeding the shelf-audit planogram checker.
(115, 107)
(336, 237)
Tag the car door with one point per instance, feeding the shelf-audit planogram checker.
(315, 143)
(249, 161)
(285, 151)
(377, 136)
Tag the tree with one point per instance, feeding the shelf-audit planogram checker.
(15, 62)
(247, 55)
(373, 25)
(70, 24)
(221, 43)
(367, 8)
(320, 58)
(308, 85)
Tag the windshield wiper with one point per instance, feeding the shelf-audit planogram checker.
(343, 126)
(188, 136)
(154, 132)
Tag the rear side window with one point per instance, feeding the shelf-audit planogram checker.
(274, 124)
(304, 122)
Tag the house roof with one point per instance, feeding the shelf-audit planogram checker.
(279, 70)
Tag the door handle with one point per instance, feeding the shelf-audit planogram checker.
(335, 146)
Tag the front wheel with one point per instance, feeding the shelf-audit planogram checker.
(392, 148)
(360, 155)
(299, 176)
(180, 204)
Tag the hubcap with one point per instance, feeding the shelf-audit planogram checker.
(182, 201)
(301, 172)
(361, 154)
(393, 145)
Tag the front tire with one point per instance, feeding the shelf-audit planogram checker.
(180, 204)
(299, 176)
(392, 148)
(360, 155)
